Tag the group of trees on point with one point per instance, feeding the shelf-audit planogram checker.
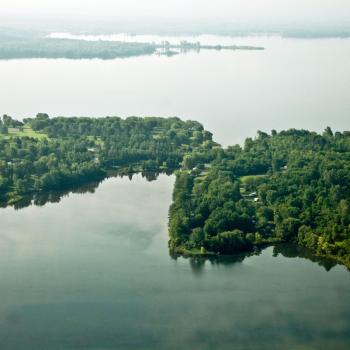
(288, 186)
(77, 150)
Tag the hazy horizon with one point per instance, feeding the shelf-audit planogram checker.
(234, 10)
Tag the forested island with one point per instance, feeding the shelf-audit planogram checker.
(71, 49)
(17, 45)
(288, 186)
(81, 49)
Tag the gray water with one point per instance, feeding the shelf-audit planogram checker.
(292, 83)
(93, 272)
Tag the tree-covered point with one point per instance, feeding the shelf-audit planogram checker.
(288, 186)
(70, 49)
(14, 47)
(291, 186)
(43, 153)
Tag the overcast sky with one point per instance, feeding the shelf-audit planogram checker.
(197, 9)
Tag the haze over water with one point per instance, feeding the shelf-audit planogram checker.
(293, 83)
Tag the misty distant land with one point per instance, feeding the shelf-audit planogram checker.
(15, 44)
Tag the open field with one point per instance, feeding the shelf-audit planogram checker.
(26, 131)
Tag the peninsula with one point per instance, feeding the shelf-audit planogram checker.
(287, 186)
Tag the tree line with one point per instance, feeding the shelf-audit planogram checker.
(288, 186)
(77, 150)
(291, 186)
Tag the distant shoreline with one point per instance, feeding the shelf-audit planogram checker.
(106, 50)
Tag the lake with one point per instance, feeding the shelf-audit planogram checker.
(293, 83)
(93, 271)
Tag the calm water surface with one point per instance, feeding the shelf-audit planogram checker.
(93, 272)
(293, 83)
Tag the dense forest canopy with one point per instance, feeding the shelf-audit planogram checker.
(43, 153)
(288, 186)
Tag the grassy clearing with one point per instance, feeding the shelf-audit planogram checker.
(247, 178)
(26, 131)
(97, 140)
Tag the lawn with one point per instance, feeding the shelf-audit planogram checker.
(247, 178)
(25, 132)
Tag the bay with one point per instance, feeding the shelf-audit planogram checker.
(93, 271)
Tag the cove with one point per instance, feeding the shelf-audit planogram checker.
(93, 271)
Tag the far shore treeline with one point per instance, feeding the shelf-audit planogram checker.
(288, 186)
(15, 45)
